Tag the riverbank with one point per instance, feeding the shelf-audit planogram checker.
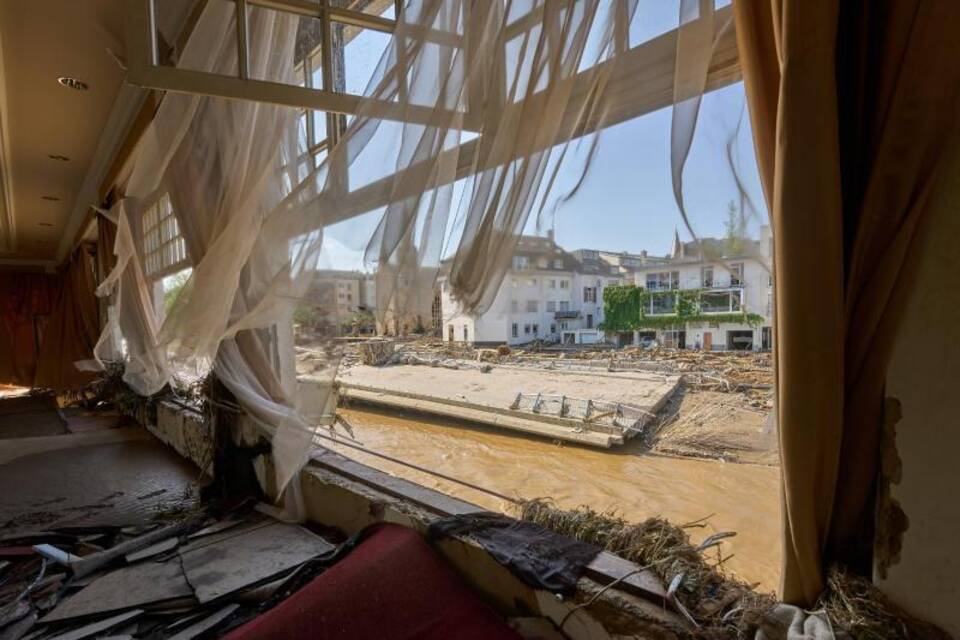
(677, 402)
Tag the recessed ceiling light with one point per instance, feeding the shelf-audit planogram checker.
(51, 198)
(58, 157)
(73, 83)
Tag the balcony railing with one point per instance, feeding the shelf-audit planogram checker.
(566, 314)
(728, 300)
(663, 305)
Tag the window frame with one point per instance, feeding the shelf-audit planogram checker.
(162, 256)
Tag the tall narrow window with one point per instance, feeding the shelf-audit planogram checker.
(706, 277)
(164, 249)
(736, 274)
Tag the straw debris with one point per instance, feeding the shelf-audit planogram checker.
(854, 605)
(721, 605)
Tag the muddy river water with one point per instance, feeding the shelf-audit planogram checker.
(637, 485)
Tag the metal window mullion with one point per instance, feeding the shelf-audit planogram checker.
(314, 9)
(333, 64)
(243, 42)
(307, 113)
(326, 67)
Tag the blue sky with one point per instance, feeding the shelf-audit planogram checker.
(626, 202)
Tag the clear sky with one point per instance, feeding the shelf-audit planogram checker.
(626, 202)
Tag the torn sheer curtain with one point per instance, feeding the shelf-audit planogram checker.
(466, 122)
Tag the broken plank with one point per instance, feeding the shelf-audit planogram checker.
(205, 624)
(95, 628)
(216, 527)
(20, 628)
(153, 550)
(130, 587)
(252, 556)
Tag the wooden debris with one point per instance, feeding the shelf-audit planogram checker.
(93, 562)
(153, 550)
(95, 628)
(136, 586)
(205, 624)
(239, 559)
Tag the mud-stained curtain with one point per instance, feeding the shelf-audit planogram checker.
(26, 301)
(851, 104)
(73, 328)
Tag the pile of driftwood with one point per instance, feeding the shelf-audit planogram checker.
(376, 352)
(181, 579)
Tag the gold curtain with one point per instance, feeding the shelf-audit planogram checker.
(73, 328)
(851, 105)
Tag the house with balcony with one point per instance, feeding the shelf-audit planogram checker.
(548, 294)
(712, 294)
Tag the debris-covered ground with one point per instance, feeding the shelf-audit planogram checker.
(721, 409)
(178, 577)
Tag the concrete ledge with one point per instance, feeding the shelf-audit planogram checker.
(343, 493)
(185, 431)
(503, 419)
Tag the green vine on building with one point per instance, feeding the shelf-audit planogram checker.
(624, 309)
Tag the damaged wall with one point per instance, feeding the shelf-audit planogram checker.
(923, 375)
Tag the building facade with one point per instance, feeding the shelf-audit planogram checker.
(724, 289)
(548, 294)
(721, 298)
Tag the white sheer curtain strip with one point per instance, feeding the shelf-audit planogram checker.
(469, 116)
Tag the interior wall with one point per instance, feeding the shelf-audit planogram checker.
(924, 375)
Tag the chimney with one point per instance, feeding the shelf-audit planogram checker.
(550, 235)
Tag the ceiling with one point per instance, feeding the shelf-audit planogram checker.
(40, 41)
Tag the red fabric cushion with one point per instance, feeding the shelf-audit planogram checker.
(391, 587)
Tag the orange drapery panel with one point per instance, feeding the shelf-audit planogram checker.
(73, 328)
(851, 104)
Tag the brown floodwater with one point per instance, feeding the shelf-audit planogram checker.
(738, 497)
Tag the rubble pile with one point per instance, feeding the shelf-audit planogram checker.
(184, 578)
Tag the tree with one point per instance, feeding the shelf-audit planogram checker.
(735, 237)
(360, 321)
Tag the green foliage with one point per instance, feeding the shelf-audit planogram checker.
(307, 315)
(361, 321)
(621, 308)
(625, 307)
(173, 286)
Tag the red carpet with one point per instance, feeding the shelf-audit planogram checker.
(391, 587)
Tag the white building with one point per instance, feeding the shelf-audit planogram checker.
(554, 295)
(727, 284)
(548, 294)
